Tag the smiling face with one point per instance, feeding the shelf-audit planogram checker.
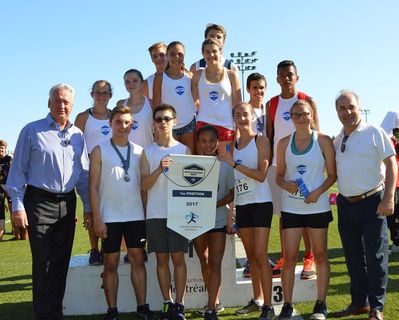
(212, 54)
(158, 57)
(257, 90)
(101, 94)
(242, 116)
(208, 142)
(175, 55)
(133, 83)
(3, 151)
(348, 110)
(60, 104)
(121, 125)
(301, 114)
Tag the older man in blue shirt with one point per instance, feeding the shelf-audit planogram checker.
(50, 160)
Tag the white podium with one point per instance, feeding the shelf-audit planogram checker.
(84, 295)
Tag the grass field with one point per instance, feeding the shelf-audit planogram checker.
(16, 294)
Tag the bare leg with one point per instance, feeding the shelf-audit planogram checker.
(306, 241)
(163, 274)
(318, 238)
(292, 239)
(180, 275)
(201, 248)
(138, 274)
(110, 278)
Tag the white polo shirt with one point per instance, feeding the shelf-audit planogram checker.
(360, 167)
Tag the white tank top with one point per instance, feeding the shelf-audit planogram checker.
(96, 132)
(283, 125)
(215, 101)
(259, 123)
(120, 201)
(310, 167)
(141, 133)
(156, 201)
(258, 192)
(150, 83)
(177, 92)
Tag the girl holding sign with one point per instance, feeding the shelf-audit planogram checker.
(210, 245)
(301, 160)
(253, 200)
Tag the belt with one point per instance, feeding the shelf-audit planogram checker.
(364, 195)
(53, 195)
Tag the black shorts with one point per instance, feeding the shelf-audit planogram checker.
(316, 221)
(254, 215)
(133, 232)
(222, 229)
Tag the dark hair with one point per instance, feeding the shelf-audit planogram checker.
(286, 63)
(164, 107)
(217, 27)
(255, 77)
(120, 110)
(3, 143)
(140, 75)
(173, 44)
(209, 41)
(99, 82)
(206, 129)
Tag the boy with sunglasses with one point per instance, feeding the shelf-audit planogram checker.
(165, 242)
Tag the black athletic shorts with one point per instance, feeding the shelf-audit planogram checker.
(133, 232)
(254, 215)
(316, 220)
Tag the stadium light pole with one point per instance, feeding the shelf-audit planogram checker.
(244, 62)
(365, 112)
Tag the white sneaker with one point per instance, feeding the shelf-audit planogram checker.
(395, 248)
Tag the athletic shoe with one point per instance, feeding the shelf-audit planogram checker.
(249, 308)
(167, 310)
(112, 314)
(276, 271)
(286, 312)
(309, 269)
(219, 308)
(267, 313)
(210, 315)
(246, 273)
(395, 248)
(178, 312)
(319, 311)
(144, 312)
(96, 258)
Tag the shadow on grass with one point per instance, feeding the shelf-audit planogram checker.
(17, 283)
(16, 311)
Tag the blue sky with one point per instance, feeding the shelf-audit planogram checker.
(335, 45)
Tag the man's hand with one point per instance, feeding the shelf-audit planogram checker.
(19, 218)
(100, 229)
(385, 207)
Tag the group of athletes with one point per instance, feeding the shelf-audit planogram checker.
(200, 112)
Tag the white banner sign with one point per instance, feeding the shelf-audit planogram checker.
(192, 194)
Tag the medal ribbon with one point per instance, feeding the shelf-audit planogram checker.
(125, 162)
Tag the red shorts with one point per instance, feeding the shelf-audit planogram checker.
(224, 133)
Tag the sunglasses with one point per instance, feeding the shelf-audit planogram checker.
(343, 144)
(160, 119)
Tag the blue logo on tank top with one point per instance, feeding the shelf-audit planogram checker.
(179, 90)
(259, 125)
(238, 161)
(135, 125)
(286, 115)
(213, 95)
(105, 130)
(301, 169)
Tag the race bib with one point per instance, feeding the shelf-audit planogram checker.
(299, 194)
(244, 186)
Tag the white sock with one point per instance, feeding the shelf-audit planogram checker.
(258, 302)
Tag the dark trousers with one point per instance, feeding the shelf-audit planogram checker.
(51, 232)
(364, 239)
(393, 221)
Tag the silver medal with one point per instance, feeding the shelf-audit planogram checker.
(126, 178)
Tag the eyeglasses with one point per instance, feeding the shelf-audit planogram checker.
(303, 115)
(343, 144)
(160, 119)
(101, 93)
